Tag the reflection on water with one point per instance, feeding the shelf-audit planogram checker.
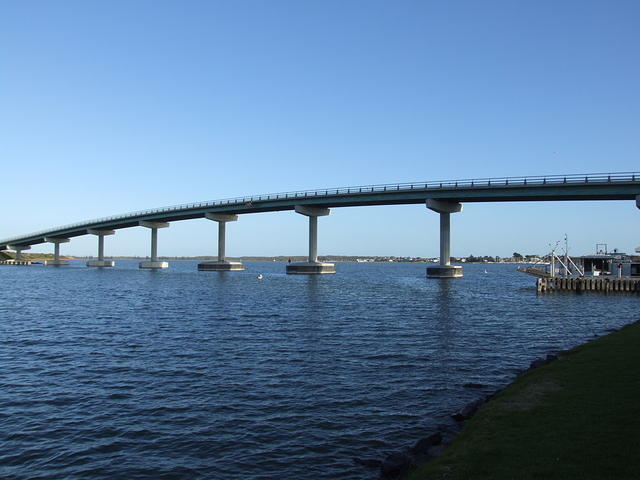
(127, 373)
(313, 286)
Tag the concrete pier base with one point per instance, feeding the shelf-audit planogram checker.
(154, 265)
(223, 266)
(445, 271)
(55, 263)
(101, 263)
(310, 268)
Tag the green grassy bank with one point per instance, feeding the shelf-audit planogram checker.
(576, 418)
(32, 256)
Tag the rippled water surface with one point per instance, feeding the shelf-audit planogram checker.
(125, 373)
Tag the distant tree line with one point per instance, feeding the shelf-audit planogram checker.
(516, 257)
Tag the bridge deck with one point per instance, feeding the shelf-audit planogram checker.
(599, 186)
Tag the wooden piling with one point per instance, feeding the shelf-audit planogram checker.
(590, 284)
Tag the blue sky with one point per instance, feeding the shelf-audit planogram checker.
(108, 107)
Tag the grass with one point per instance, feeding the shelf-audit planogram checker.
(43, 256)
(576, 418)
(31, 256)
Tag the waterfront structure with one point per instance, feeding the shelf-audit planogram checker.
(602, 271)
(445, 209)
(604, 263)
(56, 262)
(312, 265)
(153, 263)
(586, 284)
(222, 264)
(443, 197)
(101, 262)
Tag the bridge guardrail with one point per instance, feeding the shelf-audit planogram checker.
(506, 182)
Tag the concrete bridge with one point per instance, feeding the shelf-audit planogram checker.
(442, 197)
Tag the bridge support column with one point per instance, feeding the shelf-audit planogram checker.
(56, 262)
(101, 262)
(444, 269)
(18, 249)
(312, 266)
(154, 263)
(638, 205)
(222, 264)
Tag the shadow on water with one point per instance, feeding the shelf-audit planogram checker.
(220, 278)
(313, 287)
(445, 295)
(445, 321)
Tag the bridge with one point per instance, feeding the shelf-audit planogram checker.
(443, 197)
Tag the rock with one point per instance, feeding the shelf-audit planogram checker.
(436, 451)
(396, 465)
(474, 385)
(564, 353)
(468, 411)
(368, 462)
(539, 362)
(448, 431)
(471, 408)
(446, 428)
(493, 394)
(421, 447)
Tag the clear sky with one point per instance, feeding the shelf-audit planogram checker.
(113, 106)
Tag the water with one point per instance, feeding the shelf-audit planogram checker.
(179, 374)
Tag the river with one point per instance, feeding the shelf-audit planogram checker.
(129, 374)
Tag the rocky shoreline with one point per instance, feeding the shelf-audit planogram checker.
(399, 464)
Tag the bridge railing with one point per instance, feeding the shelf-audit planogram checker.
(472, 183)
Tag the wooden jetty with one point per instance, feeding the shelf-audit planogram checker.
(586, 284)
(15, 262)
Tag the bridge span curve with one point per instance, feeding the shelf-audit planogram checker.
(595, 186)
